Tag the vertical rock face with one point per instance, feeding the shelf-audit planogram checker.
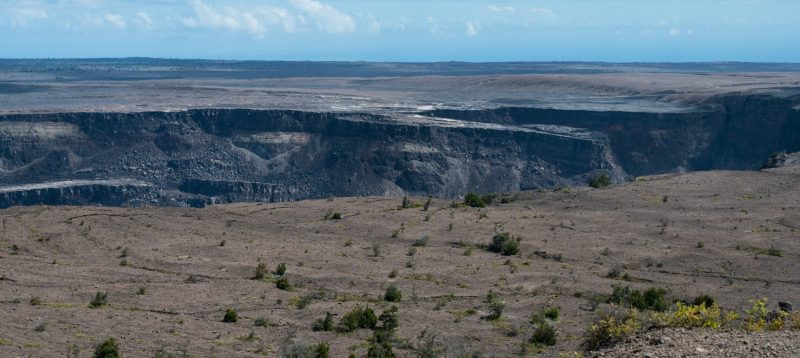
(735, 132)
(225, 155)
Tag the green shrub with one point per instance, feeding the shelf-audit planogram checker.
(427, 205)
(488, 199)
(600, 181)
(695, 316)
(107, 349)
(380, 345)
(407, 203)
(505, 244)
(544, 334)
(100, 299)
(230, 316)
(324, 324)
(609, 329)
(333, 215)
(261, 271)
(496, 308)
(551, 313)
(283, 284)
(651, 299)
(261, 322)
(322, 350)
(421, 242)
(359, 317)
(474, 200)
(393, 294)
(280, 270)
(389, 319)
(704, 300)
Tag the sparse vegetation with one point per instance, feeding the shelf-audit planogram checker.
(651, 299)
(280, 270)
(421, 242)
(359, 317)
(380, 345)
(332, 215)
(107, 349)
(600, 181)
(100, 299)
(282, 283)
(610, 328)
(324, 324)
(505, 244)
(393, 294)
(496, 306)
(262, 322)
(474, 201)
(261, 271)
(544, 334)
(230, 316)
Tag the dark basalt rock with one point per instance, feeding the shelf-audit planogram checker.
(202, 156)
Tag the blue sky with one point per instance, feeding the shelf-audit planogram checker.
(409, 30)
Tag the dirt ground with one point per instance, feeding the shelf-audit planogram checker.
(170, 274)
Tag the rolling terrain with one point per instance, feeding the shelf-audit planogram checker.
(170, 274)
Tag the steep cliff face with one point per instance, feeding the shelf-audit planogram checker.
(202, 156)
(225, 155)
(732, 132)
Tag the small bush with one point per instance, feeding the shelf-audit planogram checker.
(261, 271)
(551, 313)
(230, 316)
(380, 345)
(359, 317)
(610, 329)
(703, 300)
(142, 291)
(322, 350)
(324, 324)
(505, 244)
(333, 215)
(280, 270)
(544, 334)
(474, 201)
(283, 284)
(407, 203)
(100, 299)
(427, 205)
(393, 294)
(600, 181)
(389, 319)
(107, 349)
(261, 322)
(695, 316)
(496, 308)
(651, 299)
(759, 318)
(421, 242)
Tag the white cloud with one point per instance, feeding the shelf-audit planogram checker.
(373, 26)
(117, 20)
(326, 17)
(674, 32)
(434, 27)
(24, 16)
(255, 21)
(496, 8)
(544, 13)
(145, 21)
(472, 28)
